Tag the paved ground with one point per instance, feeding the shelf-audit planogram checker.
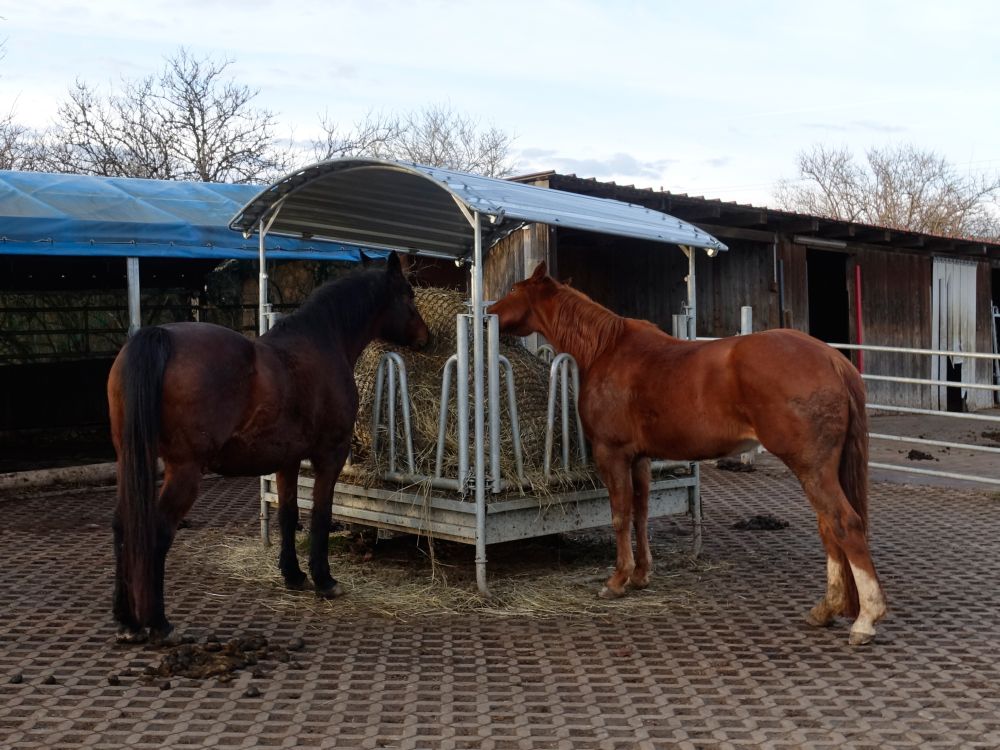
(734, 667)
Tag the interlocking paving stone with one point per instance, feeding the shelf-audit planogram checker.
(736, 668)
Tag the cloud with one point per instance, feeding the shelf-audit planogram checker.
(719, 161)
(619, 166)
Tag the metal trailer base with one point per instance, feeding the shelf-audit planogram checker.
(441, 517)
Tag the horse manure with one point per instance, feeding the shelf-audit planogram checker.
(214, 659)
(165, 685)
(251, 692)
(258, 673)
(296, 644)
(915, 455)
(734, 464)
(114, 679)
(761, 523)
(50, 680)
(16, 679)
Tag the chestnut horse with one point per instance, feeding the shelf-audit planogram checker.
(204, 397)
(644, 394)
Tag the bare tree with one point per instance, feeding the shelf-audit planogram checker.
(902, 187)
(18, 145)
(188, 123)
(436, 136)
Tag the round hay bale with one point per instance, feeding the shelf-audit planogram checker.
(425, 369)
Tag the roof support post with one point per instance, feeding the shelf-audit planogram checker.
(691, 309)
(480, 405)
(262, 280)
(134, 312)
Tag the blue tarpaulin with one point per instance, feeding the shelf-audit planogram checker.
(65, 214)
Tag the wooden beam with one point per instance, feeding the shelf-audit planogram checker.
(738, 233)
(696, 213)
(799, 226)
(746, 218)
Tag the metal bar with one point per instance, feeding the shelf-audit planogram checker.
(692, 302)
(921, 381)
(443, 415)
(134, 311)
(493, 382)
(262, 278)
(858, 319)
(746, 320)
(391, 413)
(477, 374)
(939, 443)
(581, 438)
(904, 350)
(404, 402)
(550, 419)
(377, 405)
(515, 423)
(462, 398)
(953, 415)
(932, 473)
(564, 384)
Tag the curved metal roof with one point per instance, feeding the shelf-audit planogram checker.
(422, 209)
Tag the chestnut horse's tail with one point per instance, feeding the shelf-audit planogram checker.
(146, 356)
(853, 472)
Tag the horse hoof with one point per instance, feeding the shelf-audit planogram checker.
(861, 637)
(639, 583)
(609, 593)
(130, 636)
(296, 584)
(164, 636)
(819, 620)
(334, 591)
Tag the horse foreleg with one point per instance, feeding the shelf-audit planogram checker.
(327, 472)
(180, 488)
(288, 523)
(616, 472)
(640, 518)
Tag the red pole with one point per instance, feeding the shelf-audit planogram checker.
(859, 323)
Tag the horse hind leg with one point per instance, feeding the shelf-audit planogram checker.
(327, 470)
(640, 519)
(180, 488)
(857, 588)
(129, 628)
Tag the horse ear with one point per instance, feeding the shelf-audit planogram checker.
(365, 260)
(393, 265)
(541, 270)
(568, 282)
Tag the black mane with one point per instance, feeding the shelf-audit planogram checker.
(339, 309)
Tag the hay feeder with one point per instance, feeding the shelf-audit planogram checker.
(487, 494)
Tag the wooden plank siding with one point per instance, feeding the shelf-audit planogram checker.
(896, 311)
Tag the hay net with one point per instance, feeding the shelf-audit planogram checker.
(425, 369)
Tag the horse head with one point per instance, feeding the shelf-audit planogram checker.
(517, 311)
(401, 322)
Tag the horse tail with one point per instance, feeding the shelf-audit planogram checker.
(146, 357)
(853, 471)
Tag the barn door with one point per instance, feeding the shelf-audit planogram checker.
(953, 327)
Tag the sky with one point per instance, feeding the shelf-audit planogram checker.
(705, 98)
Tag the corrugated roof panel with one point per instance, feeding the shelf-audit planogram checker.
(416, 208)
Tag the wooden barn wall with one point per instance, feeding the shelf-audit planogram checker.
(634, 278)
(514, 258)
(896, 311)
(794, 272)
(742, 276)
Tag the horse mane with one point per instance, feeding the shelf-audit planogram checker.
(339, 309)
(582, 327)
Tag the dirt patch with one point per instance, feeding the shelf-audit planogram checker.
(916, 455)
(734, 464)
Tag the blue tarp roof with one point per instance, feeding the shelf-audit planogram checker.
(66, 214)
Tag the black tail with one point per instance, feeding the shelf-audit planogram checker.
(146, 356)
(854, 471)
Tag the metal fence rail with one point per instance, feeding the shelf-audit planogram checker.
(931, 383)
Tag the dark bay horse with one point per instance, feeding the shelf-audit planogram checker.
(644, 394)
(203, 397)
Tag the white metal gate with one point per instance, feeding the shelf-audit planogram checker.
(953, 327)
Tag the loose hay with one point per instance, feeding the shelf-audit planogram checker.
(535, 578)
